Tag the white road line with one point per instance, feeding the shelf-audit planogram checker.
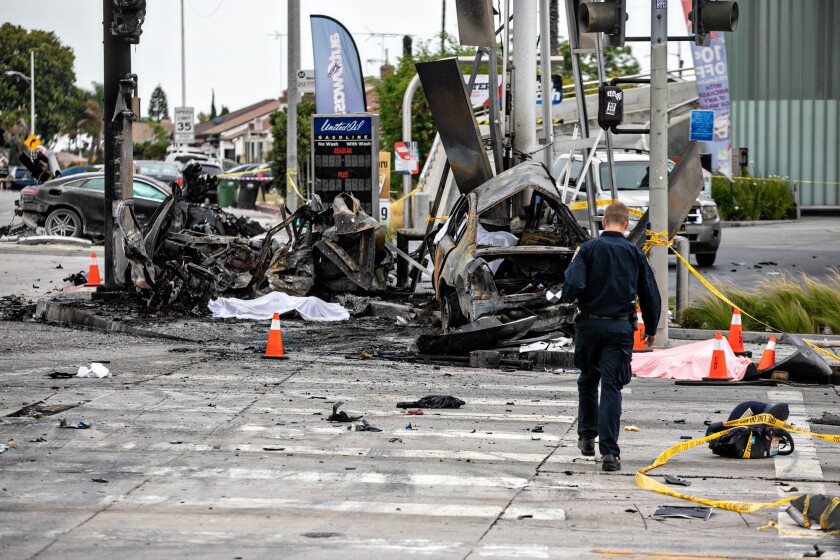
(368, 508)
(478, 434)
(802, 464)
(441, 388)
(425, 480)
(429, 413)
(293, 432)
(368, 398)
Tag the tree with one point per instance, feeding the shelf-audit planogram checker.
(202, 117)
(391, 90)
(213, 114)
(277, 155)
(154, 148)
(158, 105)
(618, 61)
(54, 78)
(224, 111)
(88, 119)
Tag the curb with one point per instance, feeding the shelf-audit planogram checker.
(58, 313)
(752, 337)
(756, 223)
(267, 209)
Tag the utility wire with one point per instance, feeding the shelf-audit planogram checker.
(211, 14)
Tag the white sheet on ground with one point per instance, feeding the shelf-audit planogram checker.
(691, 361)
(310, 308)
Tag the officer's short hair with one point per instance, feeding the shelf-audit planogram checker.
(616, 214)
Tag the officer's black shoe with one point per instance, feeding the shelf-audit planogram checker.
(611, 463)
(586, 446)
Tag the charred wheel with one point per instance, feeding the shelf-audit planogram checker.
(451, 316)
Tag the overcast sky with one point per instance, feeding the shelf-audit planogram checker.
(230, 45)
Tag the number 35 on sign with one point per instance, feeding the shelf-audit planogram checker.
(184, 127)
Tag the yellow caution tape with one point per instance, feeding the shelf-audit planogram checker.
(806, 181)
(774, 525)
(584, 204)
(419, 188)
(644, 481)
(226, 175)
(441, 219)
(658, 239)
(823, 351)
(290, 182)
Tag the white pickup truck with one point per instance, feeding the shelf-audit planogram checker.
(701, 227)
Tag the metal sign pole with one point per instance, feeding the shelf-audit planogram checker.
(292, 66)
(659, 154)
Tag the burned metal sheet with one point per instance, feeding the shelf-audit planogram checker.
(452, 112)
(475, 23)
(486, 332)
(685, 183)
(803, 366)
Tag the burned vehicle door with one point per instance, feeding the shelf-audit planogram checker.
(507, 261)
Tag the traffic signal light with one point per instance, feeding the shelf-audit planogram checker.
(712, 15)
(129, 16)
(607, 17)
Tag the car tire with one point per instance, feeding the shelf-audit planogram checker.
(63, 222)
(451, 316)
(705, 259)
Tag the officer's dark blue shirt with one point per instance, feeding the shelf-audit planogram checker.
(605, 275)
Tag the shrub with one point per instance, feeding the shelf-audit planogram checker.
(792, 303)
(753, 198)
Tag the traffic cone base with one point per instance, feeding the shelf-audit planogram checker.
(93, 272)
(768, 359)
(717, 369)
(274, 347)
(735, 336)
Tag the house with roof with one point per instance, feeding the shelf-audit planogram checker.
(243, 135)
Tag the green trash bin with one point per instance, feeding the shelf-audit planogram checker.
(226, 193)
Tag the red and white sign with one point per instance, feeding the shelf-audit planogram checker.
(406, 158)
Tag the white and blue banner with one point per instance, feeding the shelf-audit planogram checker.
(710, 69)
(339, 84)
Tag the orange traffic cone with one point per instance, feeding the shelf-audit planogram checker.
(274, 348)
(93, 272)
(718, 367)
(639, 336)
(736, 335)
(768, 359)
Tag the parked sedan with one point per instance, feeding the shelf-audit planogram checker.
(75, 206)
(19, 178)
(163, 171)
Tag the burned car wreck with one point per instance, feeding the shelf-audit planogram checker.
(341, 246)
(190, 252)
(493, 261)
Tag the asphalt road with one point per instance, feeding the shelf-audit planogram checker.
(207, 451)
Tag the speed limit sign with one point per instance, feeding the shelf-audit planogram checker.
(184, 128)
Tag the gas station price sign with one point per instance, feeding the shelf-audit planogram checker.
(345, 158)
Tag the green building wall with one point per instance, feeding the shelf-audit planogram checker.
(784, 81)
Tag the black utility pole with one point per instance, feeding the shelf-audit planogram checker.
(121, 107)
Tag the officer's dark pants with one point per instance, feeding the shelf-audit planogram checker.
(603, 349)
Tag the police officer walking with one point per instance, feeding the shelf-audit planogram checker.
(605, 276)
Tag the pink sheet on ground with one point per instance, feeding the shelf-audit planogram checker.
(691, 361)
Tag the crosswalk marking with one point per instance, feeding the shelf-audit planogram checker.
(802, 464)
(348, 506)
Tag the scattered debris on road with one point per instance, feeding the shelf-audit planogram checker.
(433, 401)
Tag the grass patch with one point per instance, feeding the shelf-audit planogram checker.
(793, 303)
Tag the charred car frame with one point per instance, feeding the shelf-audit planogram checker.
(491, 263)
